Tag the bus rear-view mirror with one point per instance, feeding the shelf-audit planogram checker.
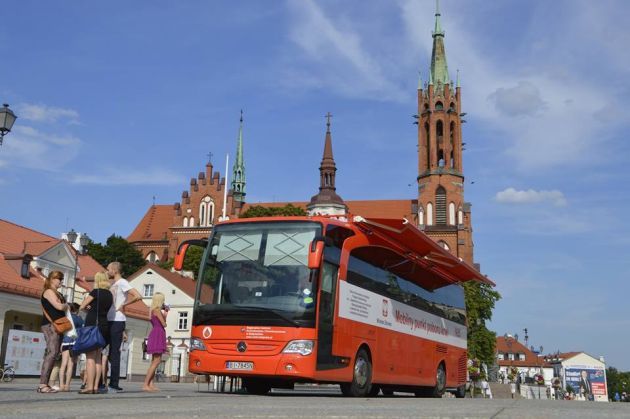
(316, 250)
(178, 263)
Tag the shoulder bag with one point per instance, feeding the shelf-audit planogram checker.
(61, 325)
(89, 338)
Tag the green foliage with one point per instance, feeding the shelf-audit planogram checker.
(117, 249)
(192, 260)
(570, 389)
(480, 300)
(260, 211)
(617, 381)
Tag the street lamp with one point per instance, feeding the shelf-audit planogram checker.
(7, 118)
(84, 240)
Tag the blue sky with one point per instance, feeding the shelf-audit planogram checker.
(121, 101)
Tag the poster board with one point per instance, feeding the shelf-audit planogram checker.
(25, 351)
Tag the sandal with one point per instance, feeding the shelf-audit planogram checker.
(46, 389)
(86, 391)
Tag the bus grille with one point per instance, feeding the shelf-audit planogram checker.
(461, 366)
(253, 347)
(441, 349)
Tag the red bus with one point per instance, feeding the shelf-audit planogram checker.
(373, 305)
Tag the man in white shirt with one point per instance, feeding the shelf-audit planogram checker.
(123, 295)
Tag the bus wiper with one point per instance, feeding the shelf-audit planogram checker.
(270, 310)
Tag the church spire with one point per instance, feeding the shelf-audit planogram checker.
(238, 170)
(439, 69)
(327, 201)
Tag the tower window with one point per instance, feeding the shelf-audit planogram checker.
(451, 214)
(441, 158)
(430, 214)
(428, 137)
(185, 222)
(420, 215)
(440, 206)
(439, 106)
(460, 217)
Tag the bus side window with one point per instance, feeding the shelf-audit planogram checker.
(337, 236)
(328, 276)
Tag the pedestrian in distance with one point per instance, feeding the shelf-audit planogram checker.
(98, 302)
(54, 308)
(513, 388)
(124, 295)
(156, 341)
(68, 359)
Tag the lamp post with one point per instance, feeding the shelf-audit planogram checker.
(7, 118)
(84, 240)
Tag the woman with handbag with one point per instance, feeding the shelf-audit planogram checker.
(156, 341)
(98, 303)
(54, 309)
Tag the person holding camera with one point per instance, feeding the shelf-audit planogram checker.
(156, 341)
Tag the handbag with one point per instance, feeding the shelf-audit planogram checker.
(89, 338)
(60, 325)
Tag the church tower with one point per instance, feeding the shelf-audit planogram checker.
(327, 202)
(442, 212)
(238, 170)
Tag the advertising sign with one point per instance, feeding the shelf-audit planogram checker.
(587, 382)
(25, 351)
(370, 308)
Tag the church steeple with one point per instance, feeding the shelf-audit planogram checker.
(442, 211)
(439, 69)
(238, 170)
(327, 201)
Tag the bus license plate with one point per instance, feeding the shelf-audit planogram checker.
(237, 365)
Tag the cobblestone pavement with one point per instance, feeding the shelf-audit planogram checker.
(19, 399)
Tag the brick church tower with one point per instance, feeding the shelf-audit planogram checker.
(442, 212)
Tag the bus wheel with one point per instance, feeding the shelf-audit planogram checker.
(440, 381)
(460, 393)
(438, 389)
(361, 377)
(256, 386)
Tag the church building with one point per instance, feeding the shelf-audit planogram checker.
(439, 209)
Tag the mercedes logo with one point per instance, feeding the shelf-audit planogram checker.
(241, 346)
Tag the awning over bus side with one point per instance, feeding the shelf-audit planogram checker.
(422, 248)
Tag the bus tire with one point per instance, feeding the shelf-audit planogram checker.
(460, 393)
(256, 386)
(361, 376)
(440, 384)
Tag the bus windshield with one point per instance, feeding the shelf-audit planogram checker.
(257, 274)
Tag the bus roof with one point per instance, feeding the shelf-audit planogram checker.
(413, 243)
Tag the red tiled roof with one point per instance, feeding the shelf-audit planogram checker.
(12, 282)
(510, 345)
(561, 356)
(154, 225)
(13, 237)
(184, 283)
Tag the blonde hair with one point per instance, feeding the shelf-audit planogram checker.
(157, 301)
(101, 280)
(51, 276)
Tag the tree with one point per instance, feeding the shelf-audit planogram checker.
(192, 260)
(480, 300)
(117, 249)
(260, 211)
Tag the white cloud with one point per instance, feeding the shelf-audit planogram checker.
(34, 149)
(129, 177)
(521, 100)
(43, 113)
(336, 56)
(530, 196)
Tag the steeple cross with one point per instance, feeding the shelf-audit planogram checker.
(328, 116)
(209, 157)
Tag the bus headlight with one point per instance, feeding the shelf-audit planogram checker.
(197, 345)
(302, 347)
